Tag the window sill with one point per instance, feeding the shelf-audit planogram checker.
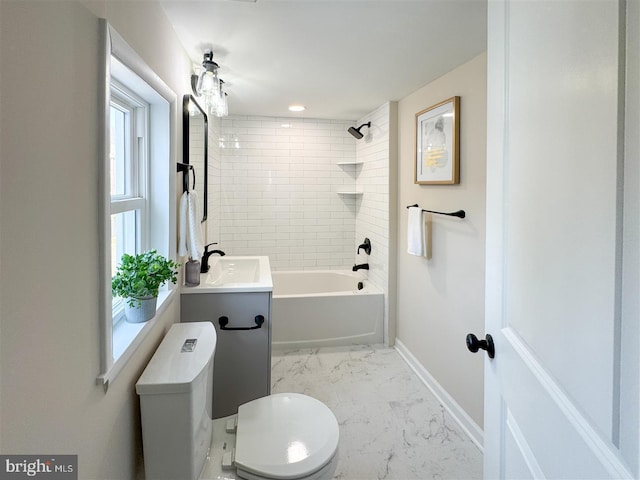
(128, 336)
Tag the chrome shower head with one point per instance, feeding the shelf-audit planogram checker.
(356, 131)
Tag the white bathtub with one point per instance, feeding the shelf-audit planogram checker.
(325, 308)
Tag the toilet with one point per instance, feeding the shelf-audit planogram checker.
(280, 436)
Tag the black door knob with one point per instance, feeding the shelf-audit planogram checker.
(473, 344)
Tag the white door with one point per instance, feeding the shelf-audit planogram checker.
(557, 392)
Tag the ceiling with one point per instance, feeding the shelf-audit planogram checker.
(339, 58)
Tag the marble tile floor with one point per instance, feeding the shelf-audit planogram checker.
(391, 426)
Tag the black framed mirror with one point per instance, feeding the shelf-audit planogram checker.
(195, 147)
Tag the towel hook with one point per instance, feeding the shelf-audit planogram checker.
(185, 168)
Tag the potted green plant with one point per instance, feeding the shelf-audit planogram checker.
(138, 279)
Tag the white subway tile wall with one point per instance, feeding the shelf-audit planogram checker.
(280, 180)
(372, 220)
(214, 182)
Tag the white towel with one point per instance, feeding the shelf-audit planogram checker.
(190, 242)
(196, 244)
(416, 243)
(183, 240)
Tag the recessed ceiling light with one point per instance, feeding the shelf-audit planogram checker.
(297, 108)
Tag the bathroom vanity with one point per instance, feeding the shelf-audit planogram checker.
(235, 295)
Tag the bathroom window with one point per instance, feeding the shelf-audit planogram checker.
(137, 188)
(128, 165)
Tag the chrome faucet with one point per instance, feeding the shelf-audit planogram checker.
(204, 265)
(362, 266)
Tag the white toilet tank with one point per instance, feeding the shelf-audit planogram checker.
(175, 392)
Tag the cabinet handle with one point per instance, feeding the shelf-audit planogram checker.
(224, 321)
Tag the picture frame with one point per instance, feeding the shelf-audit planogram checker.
(437, 140)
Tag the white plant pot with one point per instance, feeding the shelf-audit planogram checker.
(141, 313)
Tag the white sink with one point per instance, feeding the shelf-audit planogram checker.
(235, 274)
(227, 270)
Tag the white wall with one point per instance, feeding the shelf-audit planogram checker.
(442, 299)
(279, 191)
(49, 288)
(630, 335)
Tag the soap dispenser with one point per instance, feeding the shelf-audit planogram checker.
(192, 273)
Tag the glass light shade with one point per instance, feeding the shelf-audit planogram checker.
(210, 104)
(209, 86)
(222, 108)
(208, 83)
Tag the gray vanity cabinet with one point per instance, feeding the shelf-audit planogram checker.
(242, 368)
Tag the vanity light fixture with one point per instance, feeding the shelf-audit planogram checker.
(222, 107)
(208, 84)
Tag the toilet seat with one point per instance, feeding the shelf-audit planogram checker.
(285, 436)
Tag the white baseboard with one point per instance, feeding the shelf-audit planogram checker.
(461, 417)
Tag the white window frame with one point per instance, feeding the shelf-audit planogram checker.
(118, 342)
(135, 197)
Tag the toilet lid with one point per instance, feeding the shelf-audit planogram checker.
(285, 435)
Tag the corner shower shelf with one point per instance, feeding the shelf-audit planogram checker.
(355, 172)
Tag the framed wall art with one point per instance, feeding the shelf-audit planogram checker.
(437, 159)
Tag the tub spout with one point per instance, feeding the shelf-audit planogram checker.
(362, 266)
